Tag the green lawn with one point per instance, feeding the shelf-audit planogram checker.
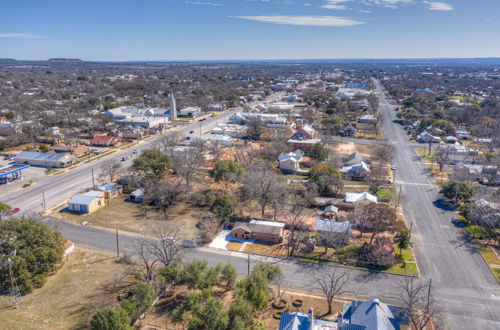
(491, 259)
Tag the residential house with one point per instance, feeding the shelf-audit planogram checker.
(358, 171)
(265, 231)
(368, 315)
(426, 137)
(217, 106)
(86, 203)
(110, 189)
(332, 233)
(45, 159)
(362, 197)
(367, 119)
(356, 315)
(290, 162)
(104, 140)
(330, 212)
(8, 128)
(224, 140)
(304, 145)
(136, 196)
(349, 130)
(132, 134)
(353, 159)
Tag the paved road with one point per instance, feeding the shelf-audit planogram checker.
(461, 278)
(462, 283)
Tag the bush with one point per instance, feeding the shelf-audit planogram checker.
(282, 304)
(277, 315)
(39, 250)
(297, 302)
(478, 232)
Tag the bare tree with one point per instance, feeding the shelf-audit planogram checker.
(383, 154)
(164, 194)
(442, 156)
(262, 184)
(278, 290)
(143, 248)
(69, 140)
(167, 141)
(110, 168)
(332, 282)
(216, 150)
(166, 248)
(186, 163)
(416, 296)
(296, 230)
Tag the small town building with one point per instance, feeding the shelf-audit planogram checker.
(264, 231)
(367, 119)
(362, 197)
(45, 159)
(332, 233)
(86, 203)
(349, 130)
(110, 189)
(304, 145)
(290, 162)
(426, 137)
(136, 196)
(356, 172)
(189, 112)
(104, 140)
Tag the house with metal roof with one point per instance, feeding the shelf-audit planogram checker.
(333, 233)
(355, 172)
(290, 162)
(372, 315)
(360, 198)
(45, 159)
(86, 203)
(110, 189)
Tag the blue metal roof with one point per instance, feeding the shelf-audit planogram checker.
(12, 169)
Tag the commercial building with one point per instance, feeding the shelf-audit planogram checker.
(44, 159)
(86, 203)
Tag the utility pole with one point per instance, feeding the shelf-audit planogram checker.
(44, 204)
(429, 293)
(117, 245)
(93, 180)
(248, 265)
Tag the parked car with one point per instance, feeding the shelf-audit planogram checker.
(191, 132)
(124, 159)
(189, 244)
(14, 211)
(135, 151)
(95, 151)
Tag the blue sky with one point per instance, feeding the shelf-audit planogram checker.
(248, 29)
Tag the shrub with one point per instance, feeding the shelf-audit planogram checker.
(277, 315)
(281, 305)
(478, 232)
(297, 302)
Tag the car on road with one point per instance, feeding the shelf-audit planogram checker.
(124, 159)
(14, 211)
(202, 119)
(393, 168)
(190, 244)
(191, 132)
(95, 151)
(135, 151)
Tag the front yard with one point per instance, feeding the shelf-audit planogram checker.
(140, 218)
(491, 258)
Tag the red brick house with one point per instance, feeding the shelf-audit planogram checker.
(104, 140)
(257, 231)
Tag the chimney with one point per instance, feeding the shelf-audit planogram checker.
(310, 317)
(340, 321)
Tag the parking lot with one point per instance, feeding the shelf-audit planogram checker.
(29, 177)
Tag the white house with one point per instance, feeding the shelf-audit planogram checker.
(290, 162)
(360, 198)
(426, 137)
(356, 172)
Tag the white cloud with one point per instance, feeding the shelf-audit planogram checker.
(335, 4)
(198, 3)
(21, 36)
(386, 3)
(440, 6)
(303, 20)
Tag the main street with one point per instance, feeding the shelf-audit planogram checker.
(462, 284)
